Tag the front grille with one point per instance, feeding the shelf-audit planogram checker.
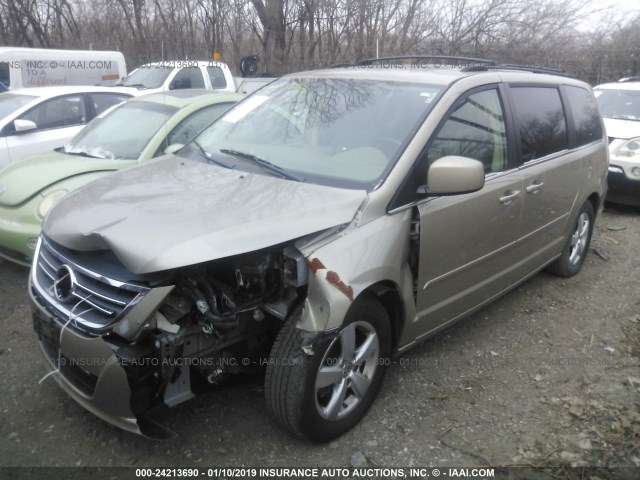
(93, 302)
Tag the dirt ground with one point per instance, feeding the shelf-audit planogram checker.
(546, 376)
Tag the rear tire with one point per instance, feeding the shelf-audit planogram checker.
(577, 244)
(321, 396)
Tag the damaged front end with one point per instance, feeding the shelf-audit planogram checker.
(123, 344)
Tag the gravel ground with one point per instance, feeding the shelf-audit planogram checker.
(546, 376)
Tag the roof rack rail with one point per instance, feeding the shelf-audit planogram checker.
(520, 68)
(439, 58)
(629, 79)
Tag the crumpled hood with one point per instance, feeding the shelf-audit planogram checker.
(624, 129)
(175, 212)
(29, 176)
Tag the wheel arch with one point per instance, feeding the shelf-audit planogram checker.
(388, 294)
(595, 201)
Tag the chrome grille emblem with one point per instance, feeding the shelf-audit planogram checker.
(65, 283)
(93, 301)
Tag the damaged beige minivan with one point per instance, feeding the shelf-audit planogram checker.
(329, 221)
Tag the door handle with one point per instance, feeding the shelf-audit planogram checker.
(534, 187)
(509, 197)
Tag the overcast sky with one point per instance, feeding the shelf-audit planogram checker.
(610, 9)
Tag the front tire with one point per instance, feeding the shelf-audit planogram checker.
(322, 396)
(577, 244)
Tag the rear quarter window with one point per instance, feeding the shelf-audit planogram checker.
(540, 121)
(585, 115)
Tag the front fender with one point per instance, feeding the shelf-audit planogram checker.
(350, 263)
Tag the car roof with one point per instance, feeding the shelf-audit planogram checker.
(189, 96)
(434, 74)
(185, 63)
(70, 89)
(619, 86)
(441, 76)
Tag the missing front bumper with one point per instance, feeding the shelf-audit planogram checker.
(87, 369)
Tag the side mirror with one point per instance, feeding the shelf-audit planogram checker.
(173, 148)
(24, 125)
(453, 175)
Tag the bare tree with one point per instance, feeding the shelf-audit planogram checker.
(272, 32)
(291, 35)
(38, 23)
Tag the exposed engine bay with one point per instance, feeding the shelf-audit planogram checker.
(218, 319)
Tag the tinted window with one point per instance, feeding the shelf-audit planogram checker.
(4, 76)
(584, 112)
(476, 129)
(102, 101)
(216, 75)
(540, 120)
(190, 77)
(58, 113)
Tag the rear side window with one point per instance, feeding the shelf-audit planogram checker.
(540, 121)
(216, 75)
(584, 111)
(58, 113)
(189, 77)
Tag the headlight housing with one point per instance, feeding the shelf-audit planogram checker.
(630, 148)
(49, 200)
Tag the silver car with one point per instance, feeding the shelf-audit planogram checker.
(331, 220)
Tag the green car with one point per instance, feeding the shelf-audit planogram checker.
(134, 131)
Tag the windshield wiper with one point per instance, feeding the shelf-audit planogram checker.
(265, 164)
(207, 156)
(82, 154)
(141, 86)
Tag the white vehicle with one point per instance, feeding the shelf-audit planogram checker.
(33, 120)
(247, 85)
(181, 74)
(41, 67)
(619, 105)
